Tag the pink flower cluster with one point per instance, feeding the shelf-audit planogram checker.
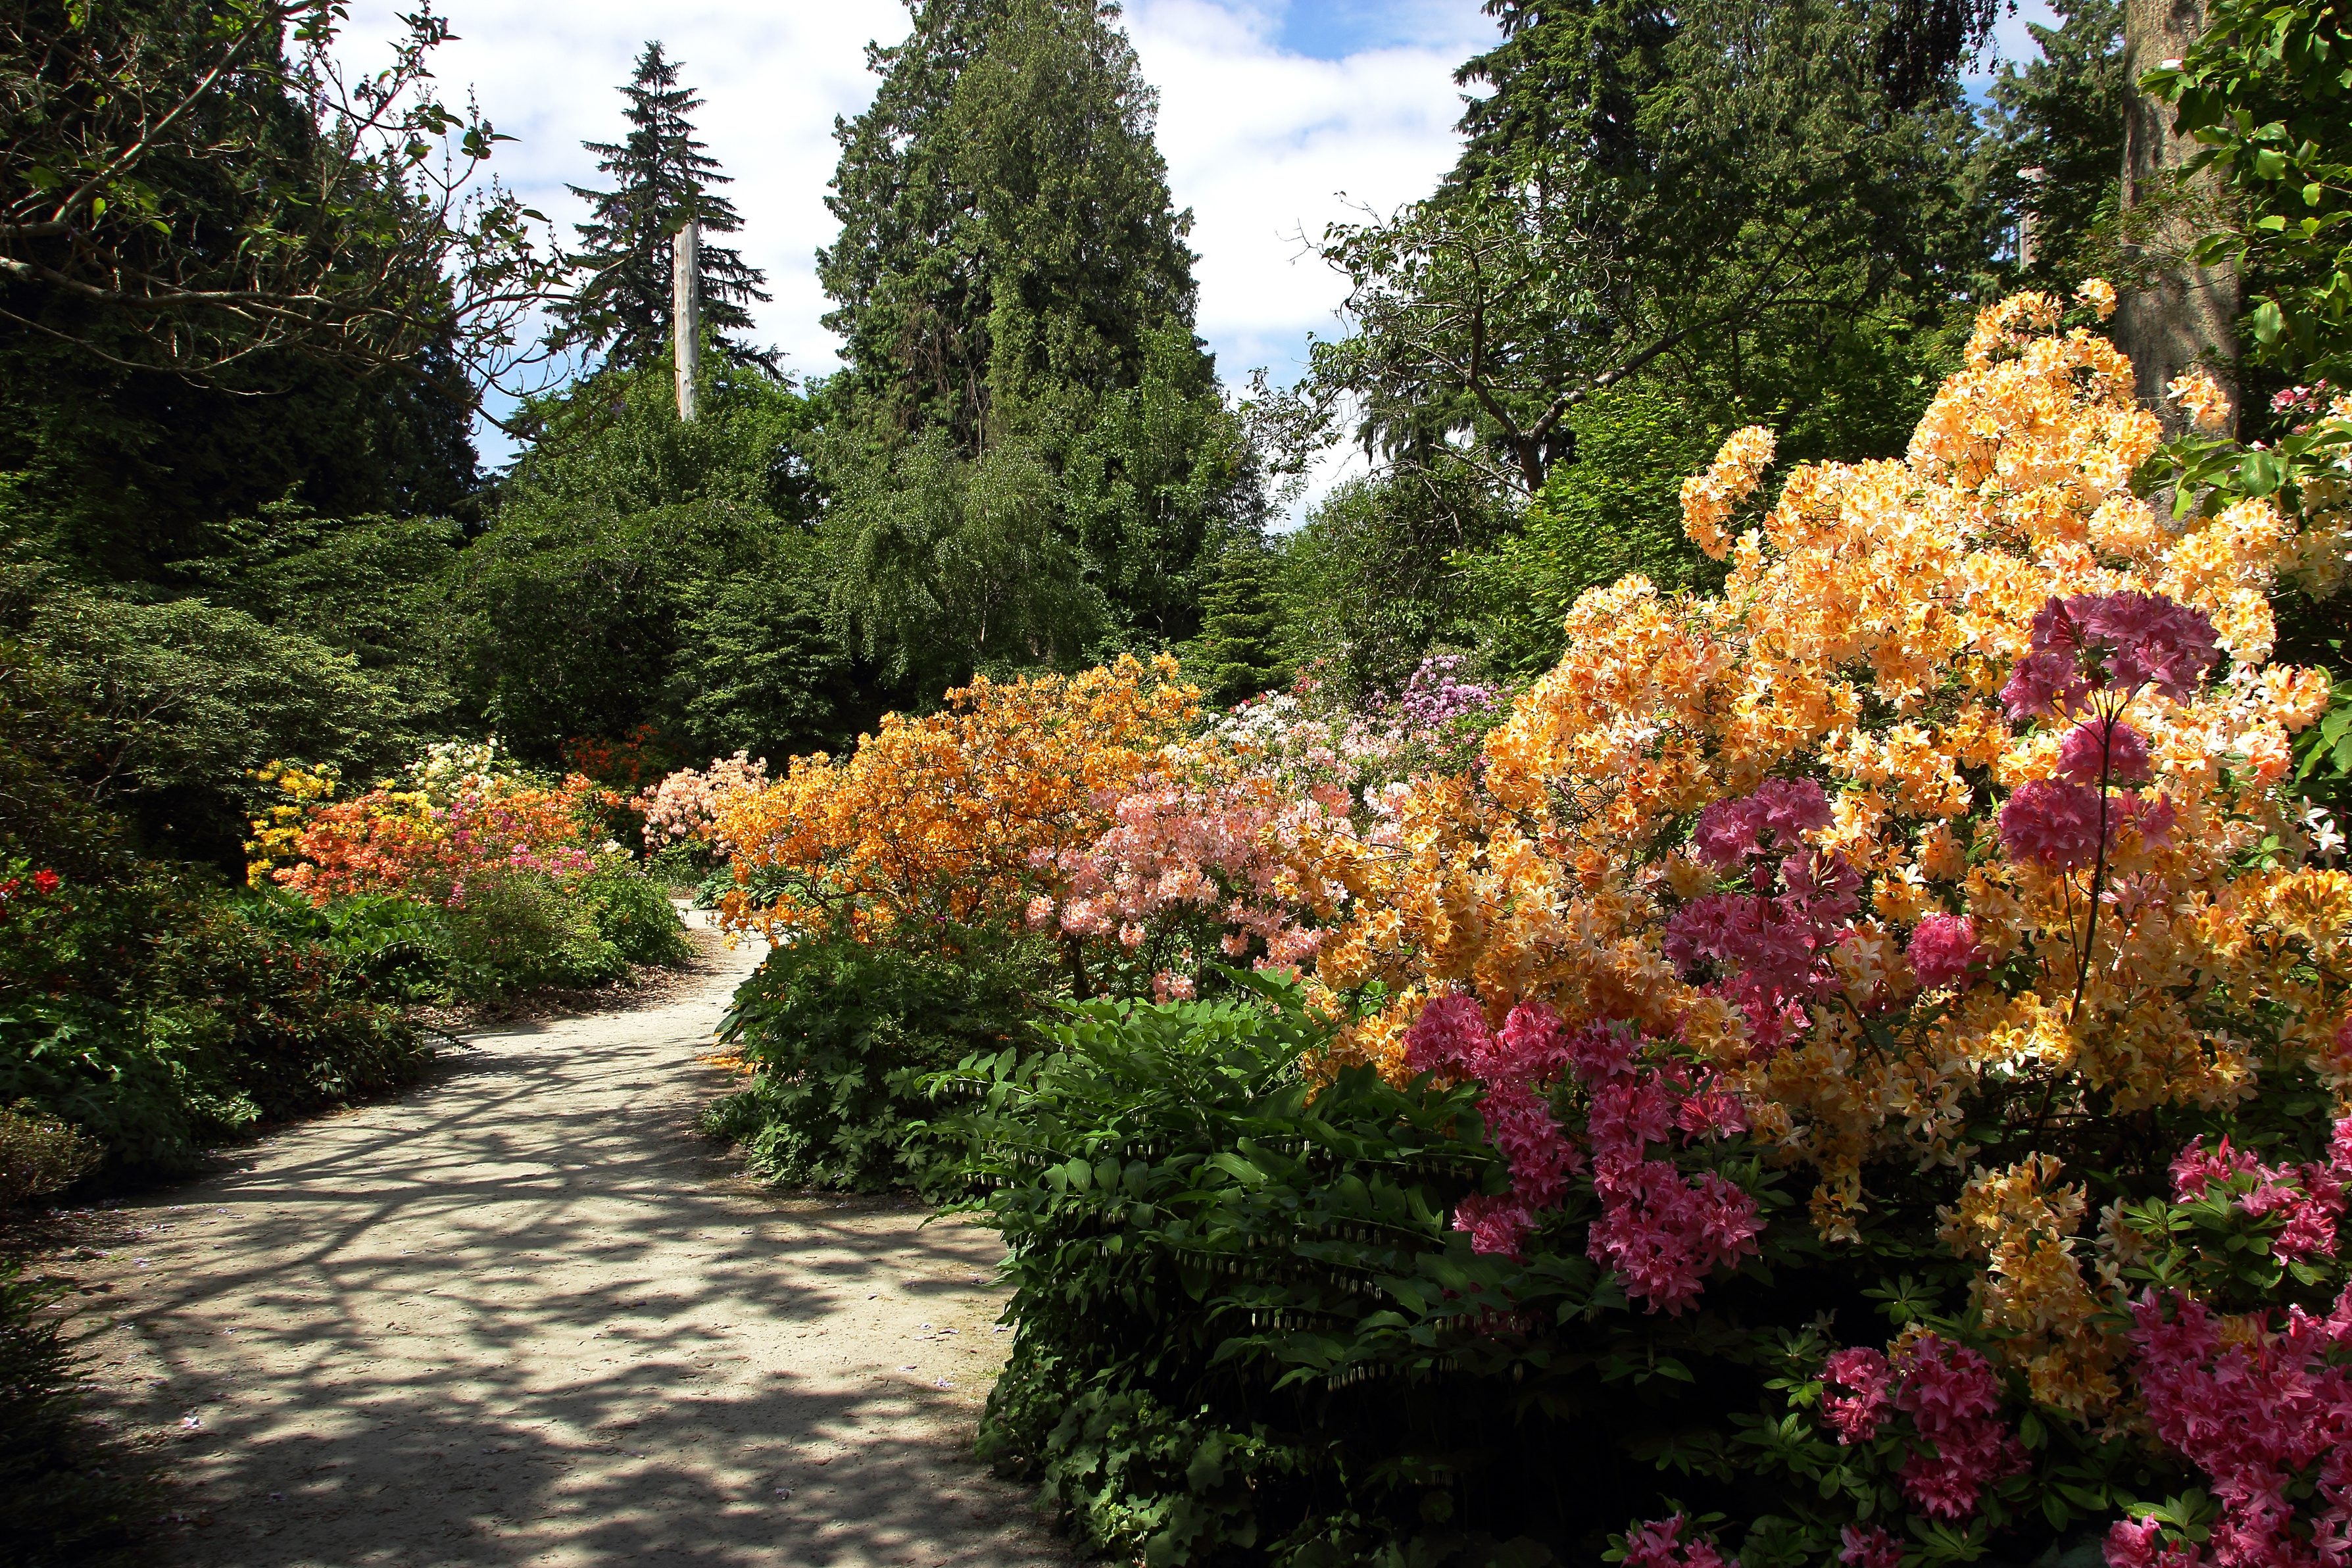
(1872, 1548)
(2066, 824)
(2109, 642)
(1771, 952)
(2310, 1196)
(1662, 1232)
(2257, 1414)
(1954, 1402)
(1210, 847)
(684, 806)
(1659, 1544)
(1942, 950)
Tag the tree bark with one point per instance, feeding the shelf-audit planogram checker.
(2178, 313)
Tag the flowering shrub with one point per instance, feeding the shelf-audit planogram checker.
(939, 824)
(683, 808)
(526, 891)
(1950, 847)
(1880, 1032)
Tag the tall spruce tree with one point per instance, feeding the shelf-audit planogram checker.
(661, 177)
(1033, 454)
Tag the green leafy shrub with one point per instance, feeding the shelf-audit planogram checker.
(1245, 1333)
(61, 1498)
(40, 1155)
(634, 914)
(836, 1034)
(522, 932)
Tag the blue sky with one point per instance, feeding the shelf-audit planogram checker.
(1275, 119)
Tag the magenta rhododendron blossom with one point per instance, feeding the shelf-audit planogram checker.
(2140, 1544)
(2060, 824)
(1860, 1395)
(1942, 950)
(2310, 1197)
(1777, 814)
(1660, 1543)
(2254, 1413)
(2103, 751)
(2109, 642)
(1953, 1399)
(1872, 1548)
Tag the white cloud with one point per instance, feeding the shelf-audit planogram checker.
(1274, 119)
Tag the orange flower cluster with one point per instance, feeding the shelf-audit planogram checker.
(390, 841)
(954, 819)
(1861, 644)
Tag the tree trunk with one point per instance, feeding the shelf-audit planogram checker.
(2174, 313)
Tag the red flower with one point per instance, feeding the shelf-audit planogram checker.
(45, 881)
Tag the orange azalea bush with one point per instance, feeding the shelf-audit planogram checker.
(952, 820)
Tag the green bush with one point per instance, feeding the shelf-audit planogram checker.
(40, 1155)
(160, 1011)
(62, 1499)
(836, 1034)
(519, 931)
(633, 912)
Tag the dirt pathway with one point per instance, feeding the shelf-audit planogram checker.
(524, 1315)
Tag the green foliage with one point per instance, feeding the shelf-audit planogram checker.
(519, 931)
(1029, 445)
(2054, 145)
(834, 1032)
(639, 566)
(1239, 651)
(64, 1498)
(40, 1155)
(2263, 90)
(634, 915)
(1614, 511)
(1372, 581)
(662, 177)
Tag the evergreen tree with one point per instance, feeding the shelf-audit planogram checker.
(661, 177)
(1032, 452)
(1239, 651)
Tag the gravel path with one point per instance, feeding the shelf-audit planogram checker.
(525, 1315)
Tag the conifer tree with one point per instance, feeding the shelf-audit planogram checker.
(661, 177)
(1031, 448)
(1238, 653)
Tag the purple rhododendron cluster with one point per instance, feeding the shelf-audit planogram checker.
(1953, 1399)
(1434, 695)
(1662, 1231)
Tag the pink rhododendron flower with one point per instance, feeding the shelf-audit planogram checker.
(2254, 1414)
(1872, 1548)
(1860, 1395)
(1942, 950)
(2103, 751)
(1664, 1233)
(2139, 1543)
(1450, 1034)
(1167, 985)
(1495, 1224)
(1780, 810)
(2311, 1197)
(1954, 1400)
(2109, 641)
(2058, 824)
(1658, 1543)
